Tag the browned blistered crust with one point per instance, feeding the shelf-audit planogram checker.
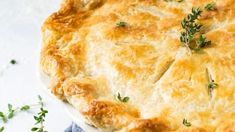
(89, 59)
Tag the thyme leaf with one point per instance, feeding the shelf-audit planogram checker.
(13, 62)
(1, 129)
(121, 24)
(210, 6)
(186, 123)
(25, 108)
(125, 99)
(3, 117)
(202, 42)
(11, 111)
(211, 86)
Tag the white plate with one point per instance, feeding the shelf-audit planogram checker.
(72, 112)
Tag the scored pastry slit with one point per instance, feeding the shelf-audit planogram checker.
(162, 70)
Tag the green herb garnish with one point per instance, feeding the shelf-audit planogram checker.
(11, 111)
(191, 27)
(202, 42)
(210, 6)
(211, 86)
(1, 129)
(125, 99)
(13, 62)
(186, 123)
(3, 117)
(25, 108)
(121, 24)
(40, 118)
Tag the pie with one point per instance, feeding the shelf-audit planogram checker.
(122, 65)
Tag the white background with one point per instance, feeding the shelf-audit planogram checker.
(20, 39)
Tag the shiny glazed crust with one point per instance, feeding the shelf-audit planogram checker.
(90, 59)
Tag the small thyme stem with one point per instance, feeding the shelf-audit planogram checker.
(12, 111)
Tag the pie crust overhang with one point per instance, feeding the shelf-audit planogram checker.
(90, 60)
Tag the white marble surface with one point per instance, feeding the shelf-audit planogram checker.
(20, 22)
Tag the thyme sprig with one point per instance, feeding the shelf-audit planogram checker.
(40, 118)
(191, 27)
(11, 112)
(5, 117)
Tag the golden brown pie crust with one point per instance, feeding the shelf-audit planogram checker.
(90, 59)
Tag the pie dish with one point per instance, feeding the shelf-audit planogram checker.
(122, 65)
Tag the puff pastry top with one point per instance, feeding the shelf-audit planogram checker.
(90, 59)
